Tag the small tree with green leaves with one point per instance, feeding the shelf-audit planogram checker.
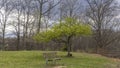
(64, 32)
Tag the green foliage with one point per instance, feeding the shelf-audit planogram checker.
(68, 27)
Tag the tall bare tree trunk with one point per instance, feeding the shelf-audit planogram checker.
(101, 14)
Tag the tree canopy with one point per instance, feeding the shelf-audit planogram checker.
(64, 31)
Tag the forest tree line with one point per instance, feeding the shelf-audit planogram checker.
(20, 20)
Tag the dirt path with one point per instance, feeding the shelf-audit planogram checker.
(60, 67)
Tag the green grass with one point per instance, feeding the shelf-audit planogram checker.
(34, 59)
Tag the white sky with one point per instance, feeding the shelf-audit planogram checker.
(13, 18)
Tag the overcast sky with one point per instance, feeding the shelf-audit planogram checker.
(9, 29)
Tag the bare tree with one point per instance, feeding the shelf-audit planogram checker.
(42, 11)
(28, 20)
(70, 8)
(101, 15)
(6, 9)
(16, 23)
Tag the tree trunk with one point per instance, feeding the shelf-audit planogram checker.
(18, 42)
(69, 47)
(3, 40)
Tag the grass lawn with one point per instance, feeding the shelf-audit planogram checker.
(34, 59)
